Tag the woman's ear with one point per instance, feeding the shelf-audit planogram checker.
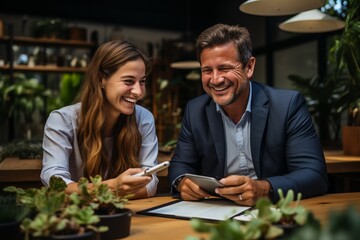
(102, 82)
(250, 67)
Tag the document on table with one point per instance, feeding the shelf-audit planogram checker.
(207, 209)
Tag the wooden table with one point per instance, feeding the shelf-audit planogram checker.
(151, 227)
(28, 170)
(20, 170)
(337, 162)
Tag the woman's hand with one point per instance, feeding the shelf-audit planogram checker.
(126, 183)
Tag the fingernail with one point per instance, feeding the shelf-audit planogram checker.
(216, 191)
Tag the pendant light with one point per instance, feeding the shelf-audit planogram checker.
(186, 46)
(312, 21)
(279, 7)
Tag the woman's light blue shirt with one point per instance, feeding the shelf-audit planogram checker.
(61, 153)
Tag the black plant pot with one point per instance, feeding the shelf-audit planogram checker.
(118, 224)
(11, 231)
(289, 229)
(85, 236)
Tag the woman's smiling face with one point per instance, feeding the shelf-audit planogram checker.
(124, 88)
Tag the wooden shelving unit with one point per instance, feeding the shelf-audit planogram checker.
(43, 67)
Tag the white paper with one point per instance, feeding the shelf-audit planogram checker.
(205, 209)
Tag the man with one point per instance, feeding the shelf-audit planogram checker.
(254, 138)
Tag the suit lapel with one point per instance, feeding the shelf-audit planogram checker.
(217, 132)
(259, 112)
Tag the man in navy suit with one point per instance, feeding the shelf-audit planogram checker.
(254, 138)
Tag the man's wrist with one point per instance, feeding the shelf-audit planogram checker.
(177, 183)
(263, 188)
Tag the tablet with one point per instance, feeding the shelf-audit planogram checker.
(207, 183)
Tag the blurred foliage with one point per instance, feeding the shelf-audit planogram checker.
(10, 210)
(328, 98)
(336, 8)
(22, 97)
(268, 221)
(24, 149)
(69, 89)
(342, 225)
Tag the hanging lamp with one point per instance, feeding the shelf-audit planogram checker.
(312, 21)
(279, 7)
(186, 58)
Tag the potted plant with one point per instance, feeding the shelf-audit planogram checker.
(340, 225)
(322, 99)
(49, 28)
(11, 215)
(346, 53)
(338, 92)
(21, 99)
(266, 221)
(107, 204)
(53, 216)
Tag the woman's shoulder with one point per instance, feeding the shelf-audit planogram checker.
(70, 111)
(143, 114)
(140, 110)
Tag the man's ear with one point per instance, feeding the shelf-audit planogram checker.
(250, 67)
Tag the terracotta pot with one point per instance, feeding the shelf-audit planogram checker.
(351, 140)
(119, 224)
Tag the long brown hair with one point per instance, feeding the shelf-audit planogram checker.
(107, 59)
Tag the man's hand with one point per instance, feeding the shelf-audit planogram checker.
(190, 191)
(243, 190)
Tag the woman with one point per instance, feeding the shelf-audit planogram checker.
(106, 133)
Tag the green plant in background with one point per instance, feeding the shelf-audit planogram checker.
(54, 213)
(23, 97)
(69, 88)
(24, 149)
(49, 28)
(339, 91)
(323, 103)
(346, 54)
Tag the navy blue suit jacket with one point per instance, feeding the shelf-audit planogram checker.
(284, 144)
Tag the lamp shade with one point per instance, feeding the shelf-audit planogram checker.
(313, 21)
(279, 7)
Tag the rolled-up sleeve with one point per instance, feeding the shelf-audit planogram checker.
(149, 147)
(58, 146)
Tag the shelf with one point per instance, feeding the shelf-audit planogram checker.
(44, 69)
(48, 42)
